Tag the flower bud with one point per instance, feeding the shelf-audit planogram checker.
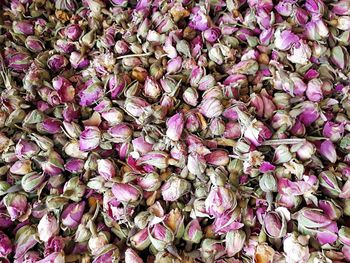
(73, 32)
(141, 240)
(217, 158)
(21, 167)
(161, 237)
(32, 181)
(175, 126)
(78, 60)
(57, 62)
(136, 106)
(174, 188)
(34, 44)
(234, 242)
(316, 29)
(333, 131)
(107, 253)
(331, 209)
(344, 235)
(25, 239)
(268, 183)
(310, 220)
(152, 89)
(211, 250)
(212, 34)
(341, 7)
(53, 165)
(74, 189)
(275, 223)
(98, 241)
(296, 248)
(285, 39)
(190, 96)
(132, 256)
(5, 245)
(193, 232)
(89, 139)
(282, 154)
(174, 65)
(105, 168)
(120, 133)
(328, 151)
(196, 164)
(219, 200)
(48, 227)
(150, 182)
(16, 205)
(157, 159)
(211, 108)
(72, 214)
(329, 184)
(304, 151)
(126, 193)
(314, 90)
(24, 27)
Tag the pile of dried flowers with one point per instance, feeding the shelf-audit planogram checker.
(174, 131)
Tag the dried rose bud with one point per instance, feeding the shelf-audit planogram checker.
(5, 245)
(73, 32)
(212, 34)
(329, 184)
(54, 164)
(136, 106)
(140, 240)
(141, 146)
(234, 242)
(344, 235)
(285, 39)
(232, 130)
(304, 151)
(127, 193)
(32, 181)
(57, 62)
(150, 182)
(193, 232)
(268, 183)
(74, 189)
(275, 223)
(19, 62)
(34, 44)
(190, 96)
(16, 205)
(316, 29)
(219, 200)
(218, 158)
(211, 250)
(314, 90)
(72, 214)
(120, 133)
(25, 239)
(105, 168)
(21, 167)
(78, 60)
(131, 255)
(211, 108)
(106, 253)
(157, 159)
(175, 125)
(196, 164)
(89, 139)
(161, 237)
(174, 65)
(91, 92)
(24, 27)
(328, 151)
(333, 131)
(174, 188)
(152, 88)
(296, 248)
(331, 209)
(341, 7)
(282, 154)
(48, 227)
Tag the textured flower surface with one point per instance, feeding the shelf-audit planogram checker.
(179, 131)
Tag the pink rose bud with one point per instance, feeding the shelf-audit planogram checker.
(339, 54)
(150, 182)
(116, 85)
(174, 188)
(32, 181)
(275, 223)
(50, 125)
(309, 113)
(199, 20)
(285, 39)
(157, 159)
(64, 46)
(227, 222)
(16, 205)
(127, 193)
(193, 122)
(311, 219)
(235, 240)
(107, 253)
(344, 235)
(89, 139)
(257, 102)
(64, 88)
(161, 237)
(25, 239)
(140, 145)
(57, 62)
(78, 61)
(120, 133)
(329, 184)
(24, 27)
(193, 232)
(331, 209)
(211, 108)
(315, 6)
(54, 165)
(211, 250)
(48, 227)
(5, 245)
(314, 90)
(268, 183)
(141, 239)
(152, 88)
(217, 158)
(56, 257)
(91, 92)
(190, 96)
(175, 125)
(136, 106)
(285, 8)
(34, 44)
(257, 133)
(73, 32)
(19, 62)
(72, 214)
(196, 164)
(131, 255)
(306, 151)
(316, 29)
(26, 149)
(232, 130)
(212, 34)
(106, 168)
(174, 65)
(328, 151)
(300, 53)
(296, 248)
(21, 167)
(341, 8)
(220, 200)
